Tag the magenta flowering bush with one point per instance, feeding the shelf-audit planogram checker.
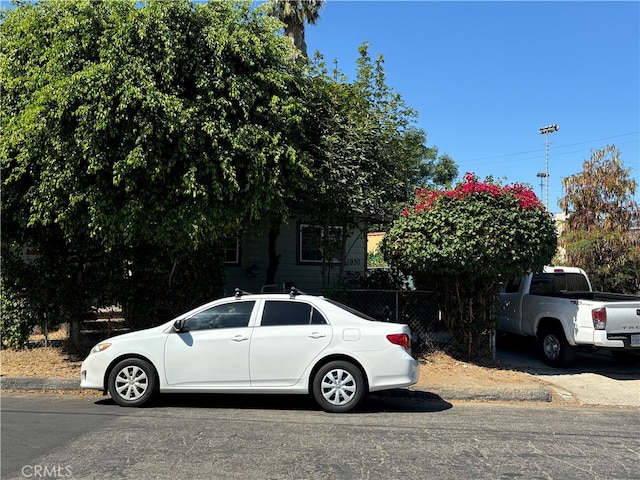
(461, 243)
(470, 186)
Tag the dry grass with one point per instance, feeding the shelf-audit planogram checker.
(441, 370)
(39, 362)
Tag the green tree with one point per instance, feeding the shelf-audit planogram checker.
(366, 153)
(460, 243)
(129, 127)
(601, 211)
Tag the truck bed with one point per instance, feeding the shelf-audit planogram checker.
(595, 296)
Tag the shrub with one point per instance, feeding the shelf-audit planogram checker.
(461, 242)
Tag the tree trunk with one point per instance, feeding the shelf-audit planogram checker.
(274, 258)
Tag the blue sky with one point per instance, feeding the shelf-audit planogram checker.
(484, 77)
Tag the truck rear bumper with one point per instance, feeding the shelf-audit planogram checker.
(623, 341)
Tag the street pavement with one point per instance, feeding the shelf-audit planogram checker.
(592, 379)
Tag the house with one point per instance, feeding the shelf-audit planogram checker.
(299, 248)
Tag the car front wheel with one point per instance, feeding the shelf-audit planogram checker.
(132, 382)
(338, 387)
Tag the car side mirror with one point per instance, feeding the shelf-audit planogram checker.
(179, 326)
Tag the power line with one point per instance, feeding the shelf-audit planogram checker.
(555, 148)
(537, 156)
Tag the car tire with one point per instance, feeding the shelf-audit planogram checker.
(554, 347)
(132, 382)
(339, 386)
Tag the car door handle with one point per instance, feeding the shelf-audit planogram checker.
(317, 335)
(239, 338)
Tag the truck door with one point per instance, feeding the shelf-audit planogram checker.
(510, 305)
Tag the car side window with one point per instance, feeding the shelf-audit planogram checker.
(290, 313)
(227, 315)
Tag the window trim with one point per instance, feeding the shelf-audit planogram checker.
(299, 251)
(237, 261)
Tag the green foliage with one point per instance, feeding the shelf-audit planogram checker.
(601, 211)
(376, 260)
(136, 136)
(611, 259)
(161, 285)
(366, 153)
(15, 318)
(127, 127)
(168, 124)
(461, 242)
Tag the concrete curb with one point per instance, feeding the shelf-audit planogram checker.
(39, 383)
(534, 394)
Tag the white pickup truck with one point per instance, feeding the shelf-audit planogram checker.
(559, 308)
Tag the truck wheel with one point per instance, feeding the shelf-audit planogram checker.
(556, 351)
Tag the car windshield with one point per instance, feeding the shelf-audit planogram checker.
(350, 310)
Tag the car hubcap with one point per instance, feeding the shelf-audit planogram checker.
(338, 387)
(551, 347)
(131, 382)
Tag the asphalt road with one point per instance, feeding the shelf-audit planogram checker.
(258, 437)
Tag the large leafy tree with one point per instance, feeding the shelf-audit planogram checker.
(366, 153)
(601, 210)
(167, 124)
(461, 242)
(130, 128)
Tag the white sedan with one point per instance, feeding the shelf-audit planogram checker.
(264, 343)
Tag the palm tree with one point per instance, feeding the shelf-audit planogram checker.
(294, 14)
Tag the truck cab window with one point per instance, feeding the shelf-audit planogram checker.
(513, 285)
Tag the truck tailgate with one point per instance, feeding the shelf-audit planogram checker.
(623, 322)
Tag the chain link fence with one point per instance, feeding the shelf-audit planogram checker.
(418, 309)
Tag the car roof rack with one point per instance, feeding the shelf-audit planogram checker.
(294, 291)
(239, 293)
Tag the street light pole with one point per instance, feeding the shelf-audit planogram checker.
(546, 131)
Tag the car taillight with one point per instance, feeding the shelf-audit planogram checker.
(401, 339)
(599, 316)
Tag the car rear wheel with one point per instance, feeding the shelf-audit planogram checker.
(132, 382)
(338, 387)
(554, 348)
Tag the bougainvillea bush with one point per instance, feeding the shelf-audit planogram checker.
(463, 242)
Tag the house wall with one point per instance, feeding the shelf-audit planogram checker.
(250, 275)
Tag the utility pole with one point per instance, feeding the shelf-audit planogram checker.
(546, 131)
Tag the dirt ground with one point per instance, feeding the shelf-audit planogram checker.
(437, 370)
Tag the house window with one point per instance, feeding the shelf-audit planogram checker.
(232, 251)
(313, 240)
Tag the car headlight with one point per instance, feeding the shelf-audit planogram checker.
(101, 347)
